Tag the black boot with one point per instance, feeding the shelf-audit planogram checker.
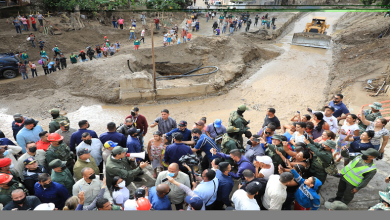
(334, 199)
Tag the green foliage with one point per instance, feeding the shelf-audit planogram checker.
(168, 4)
(86, 4)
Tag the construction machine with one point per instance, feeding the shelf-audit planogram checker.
(314, 34)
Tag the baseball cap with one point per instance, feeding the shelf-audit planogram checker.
(109, 144)
(45, 207)
(201, 123)
(217, 123)
(55, 111)
(330, 107)
(119, 150)
(371, 152)
(336, 205)
(135, 109)
(177, 136)
(256, 139)
(253, 187)
(133, 131)
(18, 115)
(83, 151)
(140, 192)
(29, 161)
(264, 159)
(330, 144)
(64, 123)
(195, 202)
(183, 123)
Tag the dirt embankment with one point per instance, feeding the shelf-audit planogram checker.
(357, 51)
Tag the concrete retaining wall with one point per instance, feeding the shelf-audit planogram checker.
(280, 30)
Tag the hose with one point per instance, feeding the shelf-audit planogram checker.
(128, 64)
(186, 74)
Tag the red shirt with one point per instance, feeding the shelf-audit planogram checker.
(156, 21)
(32, 20)
(140, 122)
(43, 145)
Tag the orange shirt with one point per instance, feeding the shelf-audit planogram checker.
(189, 36)
(189, 21)
(43, 145)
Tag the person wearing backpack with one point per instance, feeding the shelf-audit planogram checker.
(56, 50)
(45, 66)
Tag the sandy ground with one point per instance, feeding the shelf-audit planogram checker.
(291, 82)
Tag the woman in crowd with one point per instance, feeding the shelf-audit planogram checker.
(297, 118)
(155, 148)
(299, 135)
(289, 130)
(378, 126)
(326, 135)
(114, 22)
(358, 144)
(120, 193)
(349, 127)
(319, 125)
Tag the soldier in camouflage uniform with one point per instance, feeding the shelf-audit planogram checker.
(237, 120)
(271, 151)
(229, 142)
(61, 174)
(7, 185)
(322, 158)
(54, 125)
(371, 115)
(59, 150)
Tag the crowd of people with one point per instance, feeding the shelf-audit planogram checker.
(280, 167)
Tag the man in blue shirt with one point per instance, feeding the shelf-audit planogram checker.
(241, 161)
(50, 192)
(205, 144)
(176, 150)
(75, 139)
(225, 185)
(339, 106)
(112, 135)
(18, 123)
(158, 197)
(208, 188)
(30, 132)
(133, 144)
(182, 129)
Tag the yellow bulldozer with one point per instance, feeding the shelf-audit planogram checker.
(314, 34)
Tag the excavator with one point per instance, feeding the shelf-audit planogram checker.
(314, 34)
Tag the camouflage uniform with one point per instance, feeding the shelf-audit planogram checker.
(5, 194)
(61, 152)
(54, 125)
(239, 122)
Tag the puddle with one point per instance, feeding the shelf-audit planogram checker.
(309, 49)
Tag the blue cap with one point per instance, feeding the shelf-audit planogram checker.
(195, 202)
(217, 123)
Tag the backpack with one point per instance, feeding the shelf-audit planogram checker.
(40, 62)
(331, 169)
(54, 49)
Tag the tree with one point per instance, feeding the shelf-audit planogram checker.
(169, 4)
(86, 4)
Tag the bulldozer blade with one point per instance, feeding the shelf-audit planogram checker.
(311, 40)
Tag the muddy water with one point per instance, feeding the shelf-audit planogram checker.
(291, 82)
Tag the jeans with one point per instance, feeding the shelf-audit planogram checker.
(81, 60)
(40, 22)
(157, 27)
(33, 43)
(25, 27)
(34, 71)
(224, 29)
(57, 66)
(132, 34)
(207, 19)
(377, 147)
(115, 24)
(46, 70)
(144, 21)
(52, 70)
(179, 206)
(24, 75)
(18, 29)
(143, 39)
(34, 26)
(231, 30)
(184, 39)
(111, 53)
(289, 199)
(99, 55)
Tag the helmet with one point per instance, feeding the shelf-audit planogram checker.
(109, 144)
(5, 178)
(143, 204)
(55, 137)
(105, 37)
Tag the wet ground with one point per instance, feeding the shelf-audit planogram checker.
(292, 82)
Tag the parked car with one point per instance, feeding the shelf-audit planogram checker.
(9, 67)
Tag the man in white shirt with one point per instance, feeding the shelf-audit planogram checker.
(329, 118)
(246, 200)
(9, 151)
(265, 165)
(208, 188)
(93, 144)
(90, 185)
(275, 192)
(131, 204)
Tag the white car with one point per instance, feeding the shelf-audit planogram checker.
(238, 5)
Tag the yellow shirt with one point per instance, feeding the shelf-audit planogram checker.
(132, 29)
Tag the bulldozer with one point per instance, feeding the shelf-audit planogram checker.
(314, 34)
